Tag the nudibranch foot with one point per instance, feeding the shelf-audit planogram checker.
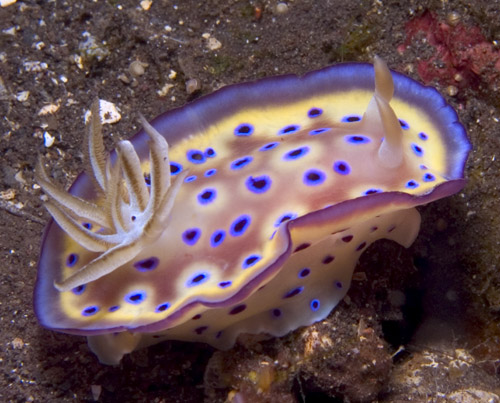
(129, 217)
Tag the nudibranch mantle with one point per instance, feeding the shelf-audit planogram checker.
(252, 217)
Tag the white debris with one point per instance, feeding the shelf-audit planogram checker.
(164, 90)
(108, 111)
(22, 96)
(213, 44)
(49, 109)
(146, 4)
(48, 140)
(6, 3)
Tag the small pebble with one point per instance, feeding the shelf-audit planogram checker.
(193, 85)
(213, 44)
(137, 68)
(281, 8)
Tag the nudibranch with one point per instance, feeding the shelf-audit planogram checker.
(244, 211)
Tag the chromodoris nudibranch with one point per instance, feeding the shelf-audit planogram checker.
(252, 218)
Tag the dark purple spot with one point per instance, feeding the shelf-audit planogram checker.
(361, 246)
(210, 152)
(314, 177)
(200, 330)
(288, 129)
(351, 118)
(218, 335)
(338, 284)
(269, 146)
(251, 261)
(198, 279)
(314, 112)
(210, 172)
(175, 168)
(347, 238)
(293, 292)
(411, 184)
(245, 129)
(241, 162)
(162, 307)
(328, 259)
(79, 289)
(147, 179)
(240, 225)
(371, 191)
(297, 153)
(319, 131)
(357, 139)
(195, 156)
(113, 308)
(147, 264)
(304, 272)
(373, 229)
(404, 125)
(224, 284)
(428, 177)
(71, 260)
(258, 184)
(217, 238)
(87, 225)
(90, 310)
(284, 217)
(391, 228)
(302, 246)
(237, 309)
(191, 236)
(341, 167)
(417, 150)
(276, 312)
(207, 196)
(196, 317)
(135, 297)
(423, 136)
(314, 305)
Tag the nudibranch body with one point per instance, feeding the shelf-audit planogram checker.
(252, 218)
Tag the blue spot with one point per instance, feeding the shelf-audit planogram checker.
(113, 308)
(276, 312)
(314, 112)
(87, 225)
(417, 150)
(191, 236)
(190, 178)
(284, 217)
(351, 118)
(71, 260)
(258, 184)
(217, 238)
(207, 196)
(175, 168)
(147, 264)
(295, 154)
(304, 272)
(210, 172)
(428, 177)
(245, 129)
(135, 297)
(240, 225)
(79, 289)
(241, 162)
(224, 284)
(147, 179)
(411, 184)
(423, 136)
(198, 279)
(269, 146)
(314, 177)
(314, 305)
(251, 261)
(90, 310)
(404, 125)
(342, 167)
(162, 307)
(237, 309)
(288, 129)
(338, 284)
(195, 156)
(293, 292)
(210, 152)
(357, 139)
(371, 191)
(319, 131)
